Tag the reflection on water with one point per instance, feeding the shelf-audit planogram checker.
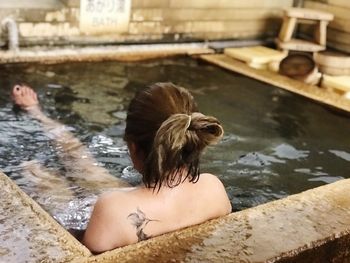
(275, 143)
(342, 154)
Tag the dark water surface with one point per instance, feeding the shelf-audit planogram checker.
(275, 144)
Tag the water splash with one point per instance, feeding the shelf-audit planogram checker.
(286, 151)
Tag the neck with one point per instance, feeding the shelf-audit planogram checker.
(178, 178)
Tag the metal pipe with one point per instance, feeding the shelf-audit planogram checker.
(10, 26)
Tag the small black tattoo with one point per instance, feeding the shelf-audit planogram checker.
(140, 221)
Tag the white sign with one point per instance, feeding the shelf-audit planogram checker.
(104, 16)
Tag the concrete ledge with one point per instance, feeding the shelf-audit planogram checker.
(29, 234)
(120, 53)
(313, 226)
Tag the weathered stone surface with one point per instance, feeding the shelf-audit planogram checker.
(156, 20)
(47, 29)
(149, 4)
(29, 234)
(214, 14)
(28, 4)
(102, 53)
(229, 4)
(251, 35)
(71, 3)
(223, 26)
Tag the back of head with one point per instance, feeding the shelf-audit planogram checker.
(164, 123)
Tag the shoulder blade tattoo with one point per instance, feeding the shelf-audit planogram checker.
(140, 221)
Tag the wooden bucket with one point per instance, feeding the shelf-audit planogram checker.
(333, 63)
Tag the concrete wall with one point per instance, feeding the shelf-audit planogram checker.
(338, 31)
(55, 22)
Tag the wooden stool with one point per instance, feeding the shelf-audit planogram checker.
(292, 16)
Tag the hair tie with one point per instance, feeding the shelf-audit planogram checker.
(188, 122)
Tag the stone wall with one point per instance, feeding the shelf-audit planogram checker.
(57, 22)
(338, 31)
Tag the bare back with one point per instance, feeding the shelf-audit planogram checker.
(124, 217)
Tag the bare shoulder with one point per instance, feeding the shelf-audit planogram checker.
(210, 183)
(107, 227)
(106, 204)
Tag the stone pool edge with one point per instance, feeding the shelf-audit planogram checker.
(125, 53)
(71, 248)
(313, 226)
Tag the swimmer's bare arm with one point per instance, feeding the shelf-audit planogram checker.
(73, 153)
(66, 141)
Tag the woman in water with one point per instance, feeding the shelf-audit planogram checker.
(166, 136)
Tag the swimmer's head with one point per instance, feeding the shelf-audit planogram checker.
(166, 135)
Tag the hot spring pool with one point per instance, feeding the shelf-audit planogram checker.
(275, 144)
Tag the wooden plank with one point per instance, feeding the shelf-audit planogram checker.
(341, 83)
(341, 3)
(341, 25)
(255, 55)
(342, 17)
(321, 33)
(339, 46)
(333, 35)
(287, 29)
(338, 36)
(298, 87)
(338, 12)
(299, 45)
